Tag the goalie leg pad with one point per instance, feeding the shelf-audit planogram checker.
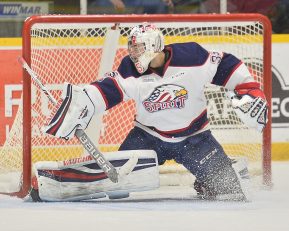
(82, 179)
(205, 158)
(231, 183)
(223, 185)
(240, 166)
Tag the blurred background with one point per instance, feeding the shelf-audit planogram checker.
(12, 13)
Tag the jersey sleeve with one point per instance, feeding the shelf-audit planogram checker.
(231, 72)
(128, 78)
(113, 88)
(105, 93)
(110, 91)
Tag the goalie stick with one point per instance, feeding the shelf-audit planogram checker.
(101, 161)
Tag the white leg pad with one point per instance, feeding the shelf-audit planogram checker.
(241, 168)
(82, 179)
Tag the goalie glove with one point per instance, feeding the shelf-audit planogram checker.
(250, 104)
(74, 112)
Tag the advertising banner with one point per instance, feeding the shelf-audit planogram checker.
(280, 93)
(22, 9)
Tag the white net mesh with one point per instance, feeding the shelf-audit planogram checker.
(73, 52)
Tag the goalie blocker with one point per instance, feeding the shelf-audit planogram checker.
(249, 103)
(82, 179)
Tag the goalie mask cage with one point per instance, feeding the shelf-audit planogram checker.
(80, 49)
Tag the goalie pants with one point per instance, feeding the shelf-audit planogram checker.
(201, 154)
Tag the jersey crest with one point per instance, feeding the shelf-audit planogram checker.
(167, 96)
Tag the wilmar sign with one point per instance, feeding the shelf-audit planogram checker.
(22, 9)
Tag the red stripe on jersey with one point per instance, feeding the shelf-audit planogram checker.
(200, 122)
(183, 129)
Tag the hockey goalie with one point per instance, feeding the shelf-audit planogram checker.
(167, 84)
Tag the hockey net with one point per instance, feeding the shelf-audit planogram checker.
(80, 49)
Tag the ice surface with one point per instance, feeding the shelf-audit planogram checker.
(167, 209)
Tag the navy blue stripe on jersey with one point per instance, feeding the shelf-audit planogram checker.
(110, 91)
(127, 69)
(225, 69)
(181, 51)
(197, 124)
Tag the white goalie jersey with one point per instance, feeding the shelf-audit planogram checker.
(171, 103)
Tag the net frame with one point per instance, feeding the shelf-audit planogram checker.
(27, 160)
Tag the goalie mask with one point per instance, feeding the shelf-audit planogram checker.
(144, 43)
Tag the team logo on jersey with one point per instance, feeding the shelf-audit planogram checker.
(166, 96)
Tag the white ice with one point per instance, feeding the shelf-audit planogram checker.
(268, 211)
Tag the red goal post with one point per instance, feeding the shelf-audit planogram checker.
(78, 49)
